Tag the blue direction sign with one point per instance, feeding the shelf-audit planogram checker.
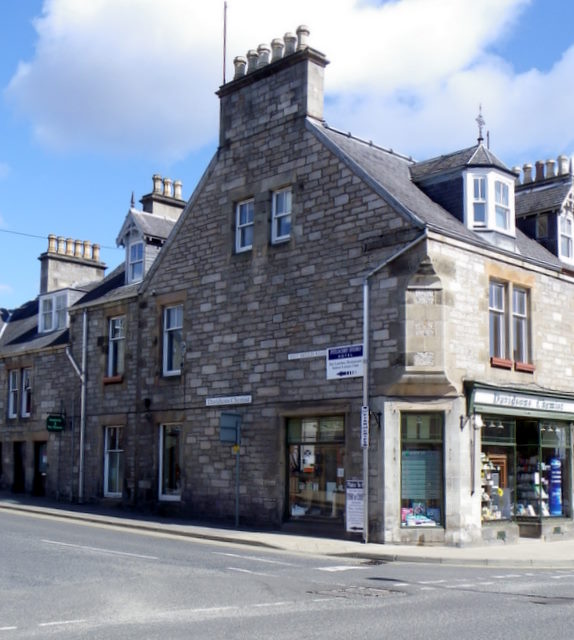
(345, 362)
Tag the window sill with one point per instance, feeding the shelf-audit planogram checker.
(524, 366)
(500, 363)
(113, 379)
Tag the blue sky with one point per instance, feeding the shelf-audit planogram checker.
(98, 95)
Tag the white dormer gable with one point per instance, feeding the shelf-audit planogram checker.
(489, 201)
(565, 229)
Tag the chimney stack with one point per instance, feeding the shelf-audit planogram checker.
(563, 167)
(539, 170)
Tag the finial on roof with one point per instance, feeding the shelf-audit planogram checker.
(480, 122)
(133, 201)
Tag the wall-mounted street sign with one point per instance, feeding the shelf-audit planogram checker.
(55, 422)
(227, 400)
(345, 362)
(364, 427)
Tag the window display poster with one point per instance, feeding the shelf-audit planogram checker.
(308, 458)
(555, 497)
(354, 502)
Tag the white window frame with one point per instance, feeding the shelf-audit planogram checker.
(498, 200)
(281, 208)
(116, 346)
(479, 201)
(113, 455)
(244, 225)
(521, 325)
(26, 393)
(172, 492)
(172, 339)
(135, 261)
(565, 238)
(53, 312)
(13, 392)
(498, 321)
(501, 204)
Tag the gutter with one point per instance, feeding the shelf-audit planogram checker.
(366, 331)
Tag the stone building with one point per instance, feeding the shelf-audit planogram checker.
(336, 337)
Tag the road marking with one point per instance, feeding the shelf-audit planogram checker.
(100, 550)
(8, 628)
(59, 622)
(253, 573)
(256, 558)
(342, 567)
(271, 604)
(432, 581)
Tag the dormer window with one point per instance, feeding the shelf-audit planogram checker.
(489, 201)
(53, 312)
(479, 201)
(501, 204)
(135, 261)
(566, 238)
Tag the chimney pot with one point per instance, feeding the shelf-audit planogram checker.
(251, 60)
(157, 183)
(96, 252)
(527, 169)
(517, 171)
(52, 243)
(79, 245)
(168, 187)
(302, 37)
(550, 168)
(239, 62)
(263, 52)
(539, 170)
(69, 244)
(87, 250)
(290, 43)
(277, 46)
(562, 165)
(177, 190)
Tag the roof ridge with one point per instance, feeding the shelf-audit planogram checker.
(370, 143)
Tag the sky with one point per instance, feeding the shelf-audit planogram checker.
(98, 95)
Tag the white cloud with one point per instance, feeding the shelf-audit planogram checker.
(138, 76)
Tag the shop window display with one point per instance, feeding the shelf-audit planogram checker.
(497, 468)
(422, 482)
(316, 447)
(543, 469)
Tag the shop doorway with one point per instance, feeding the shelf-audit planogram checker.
(40, 468)
(316, 463)
(19, 475)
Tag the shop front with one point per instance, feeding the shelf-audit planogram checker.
(524, 459)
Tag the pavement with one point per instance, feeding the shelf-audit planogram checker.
(535, 553)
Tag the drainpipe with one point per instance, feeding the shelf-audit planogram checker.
(366, 332)
(82, 375)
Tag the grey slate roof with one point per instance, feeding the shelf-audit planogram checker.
(21, 332)
(390, 175)
(151, 226)
(476, 156)
(111, 288)
(547, 196)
